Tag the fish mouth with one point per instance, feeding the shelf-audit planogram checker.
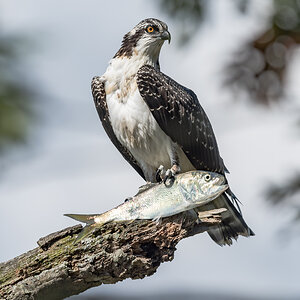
(222, 189)
(220, 180)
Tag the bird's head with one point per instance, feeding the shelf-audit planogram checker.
(146, 38)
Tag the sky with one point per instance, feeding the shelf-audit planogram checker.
(70, 166)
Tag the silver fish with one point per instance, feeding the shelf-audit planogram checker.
(157, 200)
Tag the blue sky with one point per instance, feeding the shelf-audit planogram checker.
(72, 167)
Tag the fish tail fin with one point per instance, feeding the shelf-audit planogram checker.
(89, 220)
(232, 224)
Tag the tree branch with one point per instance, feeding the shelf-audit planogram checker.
(59, 268)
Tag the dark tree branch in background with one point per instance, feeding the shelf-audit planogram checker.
(58, 268)
(189, 15)
(259, 68)
(284, 194)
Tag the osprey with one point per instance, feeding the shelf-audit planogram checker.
(158, 124)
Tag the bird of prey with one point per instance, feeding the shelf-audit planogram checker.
(157, 123)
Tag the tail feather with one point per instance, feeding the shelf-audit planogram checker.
(232, 224)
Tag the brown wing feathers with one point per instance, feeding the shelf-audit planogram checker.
(179, 114)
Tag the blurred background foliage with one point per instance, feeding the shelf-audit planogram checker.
(258, 68)
(16, 94)
(187, 14)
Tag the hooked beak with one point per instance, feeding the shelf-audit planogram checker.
(166, 36)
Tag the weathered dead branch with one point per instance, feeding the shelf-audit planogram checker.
(58, 268)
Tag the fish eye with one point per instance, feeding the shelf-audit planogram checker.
(207, 177)
(150, 29)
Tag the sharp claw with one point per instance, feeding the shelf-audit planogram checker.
(158, 177)
(162, 176)
(170, 175)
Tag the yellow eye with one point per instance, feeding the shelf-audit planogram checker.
(150, 29)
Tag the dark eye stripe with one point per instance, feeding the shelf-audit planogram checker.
(155, 28)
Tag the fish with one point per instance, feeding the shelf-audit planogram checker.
(158, 200)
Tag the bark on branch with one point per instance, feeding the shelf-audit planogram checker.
(58, 268)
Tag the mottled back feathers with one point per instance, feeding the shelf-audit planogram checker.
(179, 114)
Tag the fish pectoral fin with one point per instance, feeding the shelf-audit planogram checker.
(186, 194)
(157, 220)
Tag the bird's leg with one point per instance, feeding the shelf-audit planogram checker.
(159, 176)
(175, 169)
(167, 177)
(164, 176)
(170, 173)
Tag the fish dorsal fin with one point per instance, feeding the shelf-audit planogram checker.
(145, 187)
